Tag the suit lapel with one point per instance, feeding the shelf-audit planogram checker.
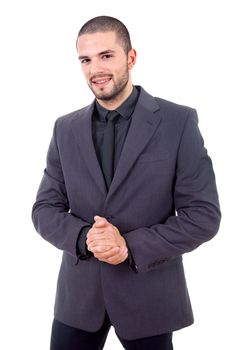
(144, 123)
(86, 146)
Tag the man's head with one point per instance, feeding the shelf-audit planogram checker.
(106, 56)
(108, 24)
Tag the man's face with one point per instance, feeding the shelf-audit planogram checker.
(105, 65)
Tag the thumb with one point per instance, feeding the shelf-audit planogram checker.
(97, 218)
(99, 221)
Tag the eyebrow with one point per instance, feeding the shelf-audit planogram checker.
(99, 54)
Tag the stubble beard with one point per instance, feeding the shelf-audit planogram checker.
(116, 91)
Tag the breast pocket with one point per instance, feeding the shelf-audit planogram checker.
(153, 157)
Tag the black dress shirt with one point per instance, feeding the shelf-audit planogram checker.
(99, 122)
(122, 124)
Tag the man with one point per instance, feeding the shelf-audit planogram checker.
(127, 190)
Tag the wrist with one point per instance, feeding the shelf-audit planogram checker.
(123, 242)
(121, 238)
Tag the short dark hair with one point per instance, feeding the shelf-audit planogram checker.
(107, 24)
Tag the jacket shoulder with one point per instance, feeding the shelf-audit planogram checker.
(169, 110)
(75, 115)
(172, 106)
(175, 112)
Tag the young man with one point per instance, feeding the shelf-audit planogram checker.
(128, 189)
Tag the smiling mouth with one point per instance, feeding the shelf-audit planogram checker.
(100, 81)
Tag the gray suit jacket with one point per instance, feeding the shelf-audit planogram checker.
(164, 201)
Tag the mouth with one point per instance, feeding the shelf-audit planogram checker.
(100, 81)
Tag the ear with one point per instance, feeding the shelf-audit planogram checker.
(132, 58)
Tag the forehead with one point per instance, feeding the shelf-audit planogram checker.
(92, 44)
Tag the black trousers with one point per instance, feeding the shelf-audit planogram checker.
(64, 337)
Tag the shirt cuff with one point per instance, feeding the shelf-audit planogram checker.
(131, 260)
(81, 248)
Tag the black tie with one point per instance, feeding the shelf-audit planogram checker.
(108, 147)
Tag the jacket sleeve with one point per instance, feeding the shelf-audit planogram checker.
(196, 202)
(51, 212)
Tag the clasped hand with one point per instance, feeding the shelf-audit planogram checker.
(106, 243)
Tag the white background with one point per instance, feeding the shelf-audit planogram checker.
(184, 55)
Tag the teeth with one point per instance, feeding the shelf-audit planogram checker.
(101, 81)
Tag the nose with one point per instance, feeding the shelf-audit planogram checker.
(95, 67)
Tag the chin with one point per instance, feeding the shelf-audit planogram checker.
(104, 95)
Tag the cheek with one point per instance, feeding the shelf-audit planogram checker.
(119, 70)
(86, 72)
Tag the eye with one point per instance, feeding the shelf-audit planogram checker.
(107, 56)
(85, 60)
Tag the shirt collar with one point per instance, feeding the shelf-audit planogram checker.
(125, 109)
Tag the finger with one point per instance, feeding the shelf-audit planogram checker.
(102, 239)
(100, 222)
(99, 240)
(100, 243)
(105, 255)
(94, 231)
(118, 258)
(97, 217)
(99, 250)
(95, 236)
(115, 260)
